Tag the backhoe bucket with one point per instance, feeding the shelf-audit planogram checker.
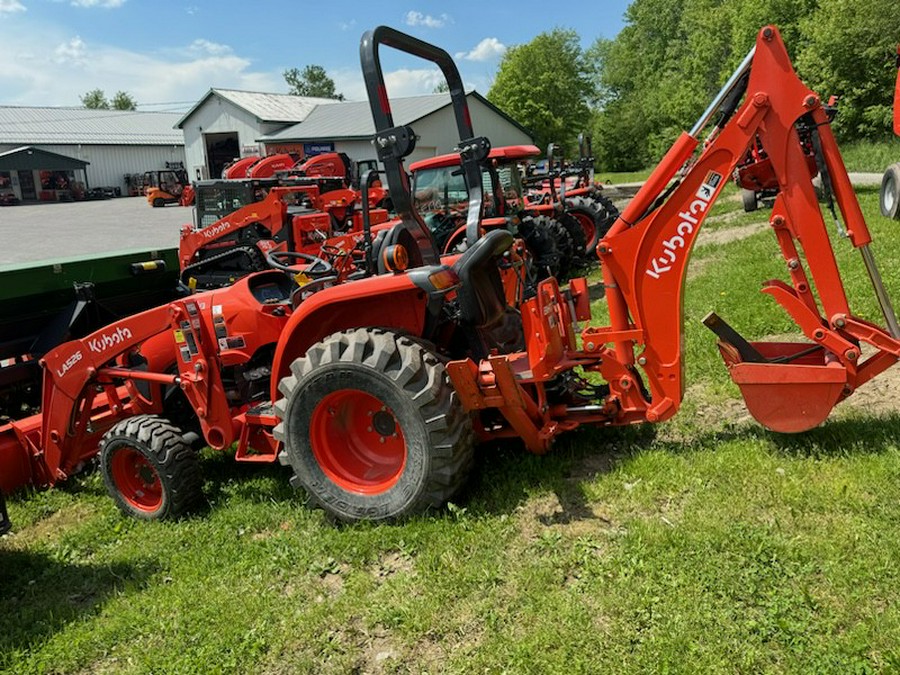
(792, 388)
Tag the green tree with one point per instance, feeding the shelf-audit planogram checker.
(123, 101)
(657, 76)
(546, 86)
(96, 100)
(849, 52)
(311, 81)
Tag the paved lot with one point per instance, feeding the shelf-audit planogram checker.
(33, 232)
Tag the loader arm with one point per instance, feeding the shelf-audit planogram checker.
(645, 253)
(87, 388)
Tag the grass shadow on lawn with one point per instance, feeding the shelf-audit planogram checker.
(41, 594)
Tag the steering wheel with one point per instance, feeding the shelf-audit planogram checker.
(316, 267)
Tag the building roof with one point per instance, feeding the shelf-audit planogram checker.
(285, 108)
(29, 157)
(73, 126)
(353, 120)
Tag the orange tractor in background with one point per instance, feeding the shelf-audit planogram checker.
(374, 386)
(890, 183)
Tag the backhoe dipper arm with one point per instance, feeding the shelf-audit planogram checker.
(645, 253)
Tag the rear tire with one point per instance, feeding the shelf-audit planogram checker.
(545, 255)
(890, 192)
(590, 217)
(372, 427)
(149, 469)
(564, 246)
(158, 202)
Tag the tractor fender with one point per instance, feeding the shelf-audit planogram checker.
(386, 301)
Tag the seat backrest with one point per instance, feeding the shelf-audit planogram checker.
(482, 301)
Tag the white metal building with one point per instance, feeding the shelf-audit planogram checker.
(226, 124)
(349, 128)
(115, 143)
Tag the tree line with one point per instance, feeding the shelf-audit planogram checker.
(635, 93)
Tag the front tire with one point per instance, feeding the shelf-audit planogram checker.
(749, 200)
(372, 427)
(150, 471)
(890, 192)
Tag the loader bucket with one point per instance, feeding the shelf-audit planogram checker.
(792, 389)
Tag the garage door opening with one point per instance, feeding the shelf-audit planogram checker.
(221, 149)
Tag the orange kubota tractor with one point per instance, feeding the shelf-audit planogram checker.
(890, 183)
(382, 386)
(294, 208)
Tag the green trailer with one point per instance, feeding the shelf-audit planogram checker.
(44, 304)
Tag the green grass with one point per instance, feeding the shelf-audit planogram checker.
(616, 177)
(703, 545)
(872, 156)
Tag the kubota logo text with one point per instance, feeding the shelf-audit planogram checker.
(216, 230)
(71, 361)
(689, 220)
(98, 345)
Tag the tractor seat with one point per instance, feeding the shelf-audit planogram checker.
(482, 301)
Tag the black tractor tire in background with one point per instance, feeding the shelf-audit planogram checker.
(610, 214)
(150, 470)
(564, 246)
(372, 427)
(590, 215)
(159, 202)
(579, 243)
(889, 199)
(545, 256)
(749, 200)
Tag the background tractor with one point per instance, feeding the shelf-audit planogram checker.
(890, 183)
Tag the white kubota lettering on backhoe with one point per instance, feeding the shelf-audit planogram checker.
(689, 219)
(98, 345)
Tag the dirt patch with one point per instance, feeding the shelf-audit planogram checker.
(729, 234)
(50, 527)
(393, 563)
(878, 397)
(569, 514)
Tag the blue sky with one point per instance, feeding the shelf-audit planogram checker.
(168, 54)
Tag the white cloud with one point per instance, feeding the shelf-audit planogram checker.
(108, 4)
(71, 51)
(347, 25)
(414, 18)
(11, 6)
(201, 46)
(402, 82)
(486, 50)
(52, 68)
